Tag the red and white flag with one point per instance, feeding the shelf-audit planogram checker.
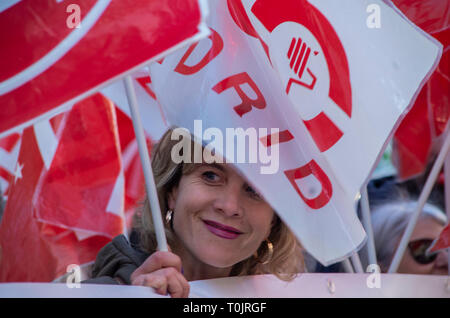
(419, 136)
(152, 116)
(131, 164)
(68, 199)
(154, 125)
(443, 241)
(331, 82)
(9, 151)
(75, 175)
(56, 53)
(79, 245)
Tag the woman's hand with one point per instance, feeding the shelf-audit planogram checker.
(162, 271)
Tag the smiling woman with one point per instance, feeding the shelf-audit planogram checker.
(217, 225)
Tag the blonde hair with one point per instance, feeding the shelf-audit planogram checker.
(287, 257)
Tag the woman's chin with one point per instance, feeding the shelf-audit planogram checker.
(219, 260)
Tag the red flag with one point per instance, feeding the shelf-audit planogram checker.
(132, 167)
(417, 136)
(9, 150)
(68, 202)
(443, 241)
(49, 62)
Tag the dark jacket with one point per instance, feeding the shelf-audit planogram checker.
(116, 261)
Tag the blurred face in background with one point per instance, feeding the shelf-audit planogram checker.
(415, 261)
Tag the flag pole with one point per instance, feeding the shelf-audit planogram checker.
(150, 186)
(1, 204)
(422, 200)
(447, 195)
(347, 266)
(365, 208)
(357, 263)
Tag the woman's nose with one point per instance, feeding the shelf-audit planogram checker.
(228, 201)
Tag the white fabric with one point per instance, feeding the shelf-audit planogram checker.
(336, 285)
(386, 69)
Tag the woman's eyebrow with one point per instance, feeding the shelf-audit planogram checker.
(213, 165)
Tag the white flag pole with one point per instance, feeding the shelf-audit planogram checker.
(447, 196)
(422, 200)
(150, 186)
(357, 263)
(347, 266)
(367, 222)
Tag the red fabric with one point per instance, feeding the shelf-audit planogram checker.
(443, 241)
(7, 165)
(46, 207)
(132, 167)
(416, 136)
(125, 35)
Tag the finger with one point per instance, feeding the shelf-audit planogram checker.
(182, 285)
(174, 285)
(167, 280)
(157, 280)
(161, 259)
(157, 261)
(161, 290)
(177, 285)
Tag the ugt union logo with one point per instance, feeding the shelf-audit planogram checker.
(311, 60)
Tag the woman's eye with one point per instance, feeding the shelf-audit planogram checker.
(252, 192)
(210, 176)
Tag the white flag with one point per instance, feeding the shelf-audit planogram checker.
(333, 85)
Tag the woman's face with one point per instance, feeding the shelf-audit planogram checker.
(426, 228)
(219, 219)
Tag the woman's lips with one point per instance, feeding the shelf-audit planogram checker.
(221, 230)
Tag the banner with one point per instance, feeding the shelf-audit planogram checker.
(322, 96)
(262, 286)
(55, 54)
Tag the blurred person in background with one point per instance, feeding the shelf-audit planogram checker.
(389, 221)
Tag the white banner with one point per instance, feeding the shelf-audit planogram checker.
(336, 285)
(317, 71)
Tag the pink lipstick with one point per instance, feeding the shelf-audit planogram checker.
(221, 230)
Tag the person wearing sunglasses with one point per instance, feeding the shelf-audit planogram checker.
(389, 221)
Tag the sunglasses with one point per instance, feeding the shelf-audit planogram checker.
(418, 249)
